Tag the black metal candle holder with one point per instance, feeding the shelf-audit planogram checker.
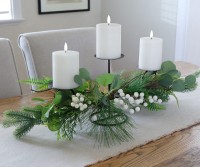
(109, 61)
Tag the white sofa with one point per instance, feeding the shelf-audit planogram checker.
(9, 81)
(37, 48)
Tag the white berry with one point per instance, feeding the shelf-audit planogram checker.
(131, 111)
(85, 106)
(89, 102)
(81, 108)
(80, 104)
(72, 104)
(78, 94)
(76, 106)
(159, 100)
(137, 102)
(141, 94)
(121, 102)
(128, 96)
(137, 109)
(122, 94)
(94, 118)
(141, 100)
(116, 100)
(125, 107)
(151, 100)
(120, 91)
(155, 98)
(131, 99)
(136, 94)
(81, 99)
(145, 104)
(150, 97)
(75, 99)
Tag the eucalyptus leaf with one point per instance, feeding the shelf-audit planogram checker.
(54, 124)
(190, 80)
(83, 87)
(166, 80)
(84, 73)
(175, 74)
(168, 66)
(58, 98)
(105, 79)
(178, 85)
(78, 80)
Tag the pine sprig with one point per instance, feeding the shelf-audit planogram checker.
(24, 121)
(156, 107)
(112, 127)
(23, 129)
(162, 93)
(139, 82)
(41, 84)
(111, 135)
(70, 121)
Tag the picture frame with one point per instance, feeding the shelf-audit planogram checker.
(62, 6)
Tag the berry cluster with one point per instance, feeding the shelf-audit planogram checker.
(130, 103)
(154, 99)
(78, 102)
(133, 103)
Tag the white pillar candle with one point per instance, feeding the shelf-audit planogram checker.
(65, 67)
(150, 56)
(108, 40)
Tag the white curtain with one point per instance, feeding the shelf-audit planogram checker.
(188, 31)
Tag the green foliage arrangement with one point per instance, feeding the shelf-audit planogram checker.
(101, 113)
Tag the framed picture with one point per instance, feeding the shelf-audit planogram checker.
(62, 6)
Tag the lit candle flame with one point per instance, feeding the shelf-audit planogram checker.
(151, 34)
(108, 19)
(65, 47)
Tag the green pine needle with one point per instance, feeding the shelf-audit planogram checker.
(23, 129)
(41, 84)
(111, 135)
(156, 107)
(112, 127)
(24, 121)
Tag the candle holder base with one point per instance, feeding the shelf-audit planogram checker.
(122, 56)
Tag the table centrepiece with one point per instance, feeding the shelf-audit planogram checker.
(101, 113)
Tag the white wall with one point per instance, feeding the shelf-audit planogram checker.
(138, 17)
(35, 22)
